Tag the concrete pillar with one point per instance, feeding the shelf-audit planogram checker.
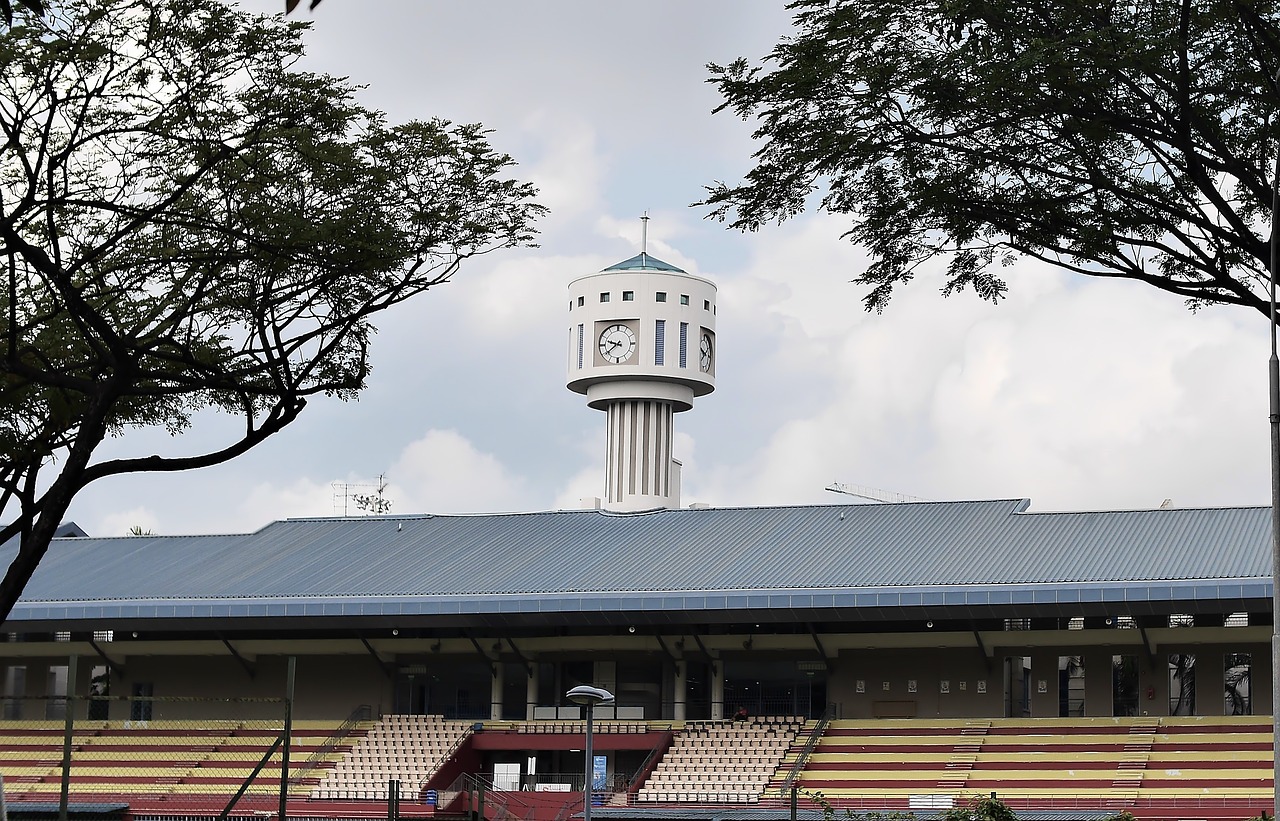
(495, 693)
(1099, 686)
(1044, 683)
(717, 688)
(531, 692)
(1153, 684)
(680, 692)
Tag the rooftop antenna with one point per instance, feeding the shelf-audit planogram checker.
(872, 494)
(644, 232)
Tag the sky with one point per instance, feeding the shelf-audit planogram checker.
(1079, 394)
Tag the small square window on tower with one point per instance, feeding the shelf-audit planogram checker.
(661, 296)
(684, 299)
(628, 296)
(582, 300)
(706, 304)
(604, 297)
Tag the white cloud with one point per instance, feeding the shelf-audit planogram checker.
(301, 498)
(1077, 393)
(569, 173)
(443, 472)
(587, 483)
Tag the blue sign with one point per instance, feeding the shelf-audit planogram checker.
(432, 797)
(598, 766)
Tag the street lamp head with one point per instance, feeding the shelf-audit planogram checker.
(586, 695)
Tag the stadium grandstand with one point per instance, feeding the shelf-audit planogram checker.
(888, 657)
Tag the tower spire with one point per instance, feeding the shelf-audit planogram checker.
(644, 233)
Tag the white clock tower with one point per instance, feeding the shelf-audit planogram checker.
(642, 345)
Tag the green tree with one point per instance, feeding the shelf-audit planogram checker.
(37, 6)
(187, 221)
(1109, 139)
(981, 808)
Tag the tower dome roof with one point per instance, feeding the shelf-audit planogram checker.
(644, 262)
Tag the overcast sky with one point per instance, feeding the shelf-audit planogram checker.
(1076, 394)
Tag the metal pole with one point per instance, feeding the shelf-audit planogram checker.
(68, 729)
(288, 731)
(586, 788)
(1273, 379)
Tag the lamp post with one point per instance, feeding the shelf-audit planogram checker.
(1273, 379)
(587, 696)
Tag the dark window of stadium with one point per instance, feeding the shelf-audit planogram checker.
(55, 705)
(1235, 679)
(99, 690)
(1182, 684)
(1071, 686)
(140, 706)
(1017, 685)
(15, 687)
(1124, 685)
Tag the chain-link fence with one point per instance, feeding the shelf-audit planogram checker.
(172, 755)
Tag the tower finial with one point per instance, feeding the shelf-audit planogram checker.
(644, 232)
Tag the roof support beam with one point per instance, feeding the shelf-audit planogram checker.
(382, 665)
(1146, 645)
(822, 652)
(667, 649)
(112, 665)
(493, 668)
(702, 646)
(248, 668)
(528, 666)
(986, 653)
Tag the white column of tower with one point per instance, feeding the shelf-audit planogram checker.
(638, 451)
(641, 347)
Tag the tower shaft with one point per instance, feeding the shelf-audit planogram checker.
(638, 467)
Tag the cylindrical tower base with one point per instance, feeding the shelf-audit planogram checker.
(638, 455)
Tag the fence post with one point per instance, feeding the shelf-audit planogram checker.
(68, 727)
(288, 732)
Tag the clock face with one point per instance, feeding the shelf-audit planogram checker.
(617, 343)
(705, 349)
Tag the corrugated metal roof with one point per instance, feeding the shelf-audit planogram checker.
(972, 546)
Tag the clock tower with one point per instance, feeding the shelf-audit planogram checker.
(642, 345)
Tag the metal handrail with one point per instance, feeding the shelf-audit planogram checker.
(362, 713)
(650, 761)
(811, 742)
(445, 759)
